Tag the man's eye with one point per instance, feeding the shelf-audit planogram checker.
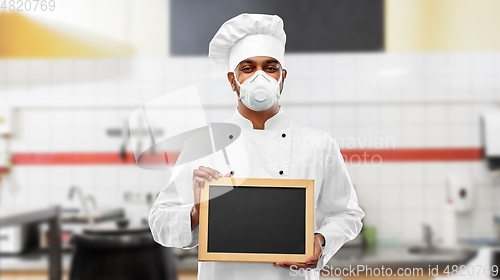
(272, 68)
(246, 69)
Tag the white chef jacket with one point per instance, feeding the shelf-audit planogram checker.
(284, 145)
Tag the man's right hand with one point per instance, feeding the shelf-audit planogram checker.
(199, 176)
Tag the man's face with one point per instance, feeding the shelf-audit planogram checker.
(249, 66)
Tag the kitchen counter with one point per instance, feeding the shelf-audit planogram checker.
(32, 261)
(399, 257)
(387, 256)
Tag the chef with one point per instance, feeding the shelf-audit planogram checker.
(250, 48)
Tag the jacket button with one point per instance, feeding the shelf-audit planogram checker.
(230, 136)
(281, 172)
(232, 172)
(283, 135)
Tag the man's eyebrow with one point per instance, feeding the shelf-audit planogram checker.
(247, 61)
(272, 61)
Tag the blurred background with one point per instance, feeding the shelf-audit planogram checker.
(410, 89)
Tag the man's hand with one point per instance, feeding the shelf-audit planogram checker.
(199, 176)
(312, 261)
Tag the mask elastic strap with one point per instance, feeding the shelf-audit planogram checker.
(236, 80)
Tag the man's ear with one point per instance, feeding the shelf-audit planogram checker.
(230, 78)
(283, 77)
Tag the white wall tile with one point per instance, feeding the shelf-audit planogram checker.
(392, 136)
(18, 96)
(84, 140)
(436, 136)
(40, 140)
(483, 63)
(37, 198)
(391, 88)
(61, 70)
(39, 94)
(483, 87)
(460, 64)
(106, 177)
(3, 72)
(367, 114)
(321, 65)
(413, 174)
(461, 114)
(321, 115)
(17, 71)
(413, 198)
(413, 114)
(484, 198)
(414, 62)
(436, 87)
(85, 177)
(320, 89)
(390, 114)
(294, 90)
(434, 197)
(460, 135)
(435, 64)
(436, 114)
(367, 88)
(345, 136)
(435, 173)
(482, 224)
(298, 65)
(460, 167)
(61, 177)
(61, 94)
(390, 198)
(62, 140)
(344, 115)
(39, 71)
(412, 229)
(390, 224)
(413, 135)
(368, 198)
(368, 175)
(344, 89)
(460, 87)
(390, 175)
(368, 64)
(413, 87)
(344, 65)
(61, 119)
(84, 93)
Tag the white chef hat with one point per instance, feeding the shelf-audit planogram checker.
(245, 36)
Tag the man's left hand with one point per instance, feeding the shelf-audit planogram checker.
(312, 261)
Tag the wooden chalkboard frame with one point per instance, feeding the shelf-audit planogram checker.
(204, 255)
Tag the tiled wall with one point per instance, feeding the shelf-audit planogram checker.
(410, 100)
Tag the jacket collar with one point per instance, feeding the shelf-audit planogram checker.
(278, 121)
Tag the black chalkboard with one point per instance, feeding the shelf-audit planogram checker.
(311, 26)
(258, 220)
(269, 220)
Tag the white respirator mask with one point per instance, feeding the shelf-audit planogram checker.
(260, 92)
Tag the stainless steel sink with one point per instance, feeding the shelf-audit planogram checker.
(436, 251)
(99, 215)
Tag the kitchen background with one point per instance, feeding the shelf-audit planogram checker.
(423, 96)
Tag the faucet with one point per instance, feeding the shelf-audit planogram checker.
(428, 235)
(91, 198)
(83, 202)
